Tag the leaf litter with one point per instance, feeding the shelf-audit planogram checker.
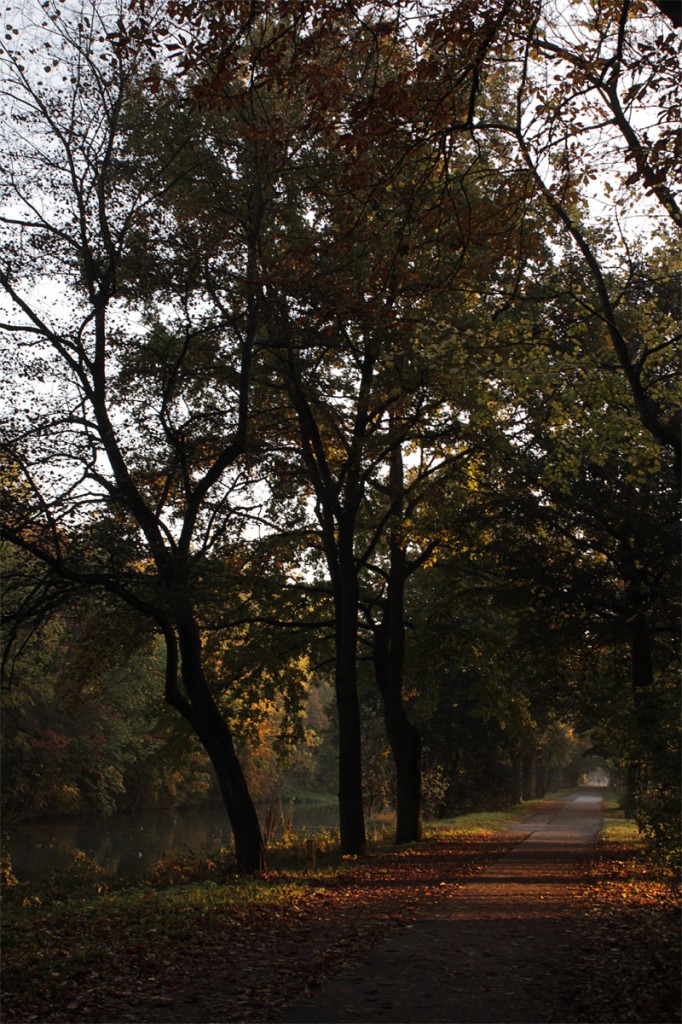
(196, 954)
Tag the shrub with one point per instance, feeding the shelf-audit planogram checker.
(183, 868)
(83, 877)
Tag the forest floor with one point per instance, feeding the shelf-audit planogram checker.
(439, 931)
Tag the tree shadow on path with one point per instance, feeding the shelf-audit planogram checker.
(509, 946)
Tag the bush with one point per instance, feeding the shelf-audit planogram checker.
(182, 869)
(659, 822)
(83, 877)
(435, 785)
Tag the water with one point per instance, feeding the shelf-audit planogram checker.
(127, 846)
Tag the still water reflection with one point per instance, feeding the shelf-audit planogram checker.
(128, 845)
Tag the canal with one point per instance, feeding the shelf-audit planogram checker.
(128, 845)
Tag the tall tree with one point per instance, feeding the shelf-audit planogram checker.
(128, 367)
(354, 118)
(600, 487)
(597, 124)
(393, 233)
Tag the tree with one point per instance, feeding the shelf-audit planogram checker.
(128, 397)
(598, 494)
(378, 150)
(394, 228)
(598, 110)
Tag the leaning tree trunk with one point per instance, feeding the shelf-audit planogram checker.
(202, 713)
(216, 738)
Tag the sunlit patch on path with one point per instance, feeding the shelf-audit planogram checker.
(499, 949)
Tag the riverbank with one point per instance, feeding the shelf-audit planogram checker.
(128, 845)
(245, 949)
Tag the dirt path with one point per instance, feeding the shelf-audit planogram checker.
(499, 950)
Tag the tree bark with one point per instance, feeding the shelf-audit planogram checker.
(647, 751)
(406, 746)
(540, 775)
(337, 520)
(527, 771)
(516, 777)
(403, 737)
(202, 713)
(351, 810)
(630, 789)
(389, 665)
(217, 740)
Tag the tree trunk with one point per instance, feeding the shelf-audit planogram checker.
(216, 738)
(516, 777)
(202, 713)
(527, 770)
(630, 788)
(648, 751)
(644, 692)
(404, 740)
(640, 653)
(403, 737)
(540, 775)
(338, 521)
(351, 811)
(406, 745)
(389, 664)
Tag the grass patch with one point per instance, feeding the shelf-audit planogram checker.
(489, 821)
(50, 948)
(144, 904)
(618, 830)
